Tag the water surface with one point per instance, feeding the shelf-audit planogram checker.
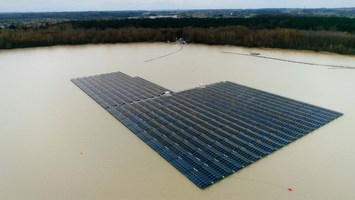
(57, 143)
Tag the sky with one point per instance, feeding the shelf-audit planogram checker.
(96, 5)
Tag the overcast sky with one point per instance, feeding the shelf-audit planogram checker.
(92, 5)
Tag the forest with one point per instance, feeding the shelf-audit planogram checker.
(332, 34)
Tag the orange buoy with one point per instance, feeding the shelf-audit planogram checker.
(290, 189)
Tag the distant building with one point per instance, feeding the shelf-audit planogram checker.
(163, 16)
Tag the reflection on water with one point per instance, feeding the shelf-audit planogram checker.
(57, 143)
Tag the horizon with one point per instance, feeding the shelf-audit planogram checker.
(21, 6)
(157, 10)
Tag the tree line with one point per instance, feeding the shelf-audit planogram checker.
(85, 32)
(259, 22)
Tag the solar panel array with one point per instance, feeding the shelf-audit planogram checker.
(209, 133)
(117, 88)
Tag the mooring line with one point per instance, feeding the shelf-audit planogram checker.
(166, 55)
(266, 182)
(291, 61)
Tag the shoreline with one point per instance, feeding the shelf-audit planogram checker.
(188, 44)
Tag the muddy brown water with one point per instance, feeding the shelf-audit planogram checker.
(57, 143)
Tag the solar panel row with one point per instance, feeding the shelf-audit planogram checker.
(117, 88)
(208, 133)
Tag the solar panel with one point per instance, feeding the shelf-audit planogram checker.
(115, 89)
(206, 133)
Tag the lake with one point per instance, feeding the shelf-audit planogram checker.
(57, 143)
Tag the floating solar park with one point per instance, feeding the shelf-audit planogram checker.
(206, 133)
